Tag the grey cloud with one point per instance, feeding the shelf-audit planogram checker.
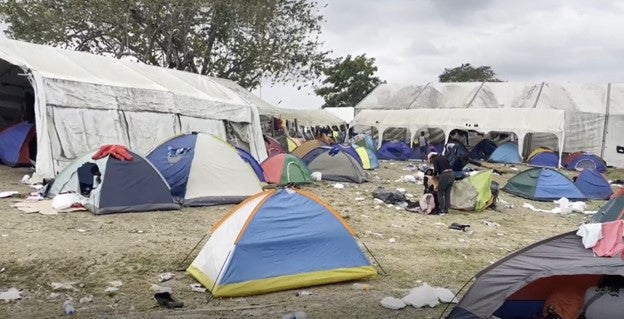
(528, 41)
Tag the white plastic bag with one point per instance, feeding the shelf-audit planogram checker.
(65, 201)
(565, 207)
(317, 176)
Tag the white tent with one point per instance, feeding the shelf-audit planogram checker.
(520, 121)
(344, 113)
(594, 113)
(83, 101)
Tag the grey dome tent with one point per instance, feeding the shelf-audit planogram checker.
(335, 165)
(517, 285)
(127, 185)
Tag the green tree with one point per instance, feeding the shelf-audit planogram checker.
(348, 81)
(245, 41)
(468, 73)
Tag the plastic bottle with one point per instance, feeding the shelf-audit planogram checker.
(68, 306)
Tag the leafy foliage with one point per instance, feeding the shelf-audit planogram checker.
(348, 81)
(245, 41)
(468, 73)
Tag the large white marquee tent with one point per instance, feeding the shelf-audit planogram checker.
(592, 114)
(83, 101)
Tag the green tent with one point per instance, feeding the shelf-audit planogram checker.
(543, 184)
(472, 193)
(610, 211)
(285, 169)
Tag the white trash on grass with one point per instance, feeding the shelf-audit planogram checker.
(565, 206)
(11, 295)
(426, 295)
(392, 303)
(8, 194)
(25, 179)
(406, 179)
(316, 176)
(422, 296)
(490, 224)
(165, 276)
(197, 288)
(86, 299)
(65, 201)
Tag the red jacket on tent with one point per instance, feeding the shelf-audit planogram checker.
(119, 152)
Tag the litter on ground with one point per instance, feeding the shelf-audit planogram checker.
(165, 276)
(392, 303)
(10, 295)
(8, 194)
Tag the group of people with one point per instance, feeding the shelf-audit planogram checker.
(438, 183)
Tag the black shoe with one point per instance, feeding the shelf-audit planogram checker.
(165, 299)
(457, 226)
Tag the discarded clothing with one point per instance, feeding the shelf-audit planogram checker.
(591, 233)
(389, 197)
(611, 242)
(119, 152)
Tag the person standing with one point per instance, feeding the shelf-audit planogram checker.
(443, 171)
(422, 143)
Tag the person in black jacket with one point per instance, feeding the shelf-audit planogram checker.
(443, 171)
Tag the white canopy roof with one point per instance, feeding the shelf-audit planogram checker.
(85, 100)
(594, 113)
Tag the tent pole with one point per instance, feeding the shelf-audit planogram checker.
(189, 254)
(606, 122)
(448, 304)
(371, 253)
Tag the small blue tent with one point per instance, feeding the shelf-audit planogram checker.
(545, 159)
(593, 185)
(203, 170)
(543, 184)
(395, 150)
(251, 161)
(278, 240)
(506, 153)
(581, 160)
(15, 144)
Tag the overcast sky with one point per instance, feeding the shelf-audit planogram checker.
(523, 41)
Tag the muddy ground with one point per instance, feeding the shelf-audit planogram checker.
(36, 250)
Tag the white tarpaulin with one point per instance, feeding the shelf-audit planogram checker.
(594, 113)
(83, 101)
